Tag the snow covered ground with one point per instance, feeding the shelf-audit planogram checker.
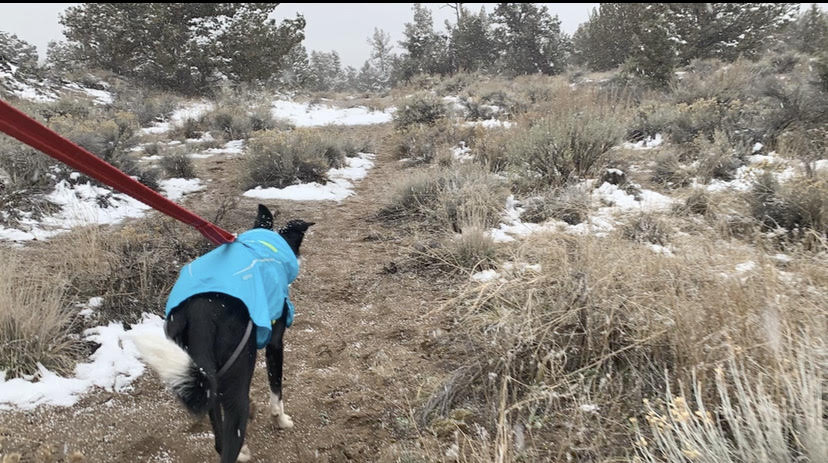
(45, 91)
(616, 203)
(192, 110)
(340, 184)
(87, 204)
(307, 115)
(113, 367)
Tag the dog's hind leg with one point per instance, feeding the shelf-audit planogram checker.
(275, 356)
(215, 420)
(235, 408)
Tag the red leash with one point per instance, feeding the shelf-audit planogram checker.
(29, 131)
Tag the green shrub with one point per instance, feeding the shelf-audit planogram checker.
(420, 108)
(569, 204)
(466, 195)
(178, 165)
(278, 159)
(557, 151)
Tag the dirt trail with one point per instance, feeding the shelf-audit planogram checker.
(354, 357)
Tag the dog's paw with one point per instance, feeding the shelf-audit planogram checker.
(244, 454)
(284, 421)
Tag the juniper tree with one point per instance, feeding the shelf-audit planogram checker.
(529, 39)
(182, 46)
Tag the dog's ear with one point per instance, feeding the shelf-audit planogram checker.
(294, 232)
(264, 219)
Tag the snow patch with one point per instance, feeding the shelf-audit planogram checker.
(646, 144)
(87, 204)
(338, 188)
(113, 367)
(307, 115)
(485, 275)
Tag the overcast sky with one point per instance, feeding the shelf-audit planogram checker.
(341, 27)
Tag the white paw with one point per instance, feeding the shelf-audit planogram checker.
(284, 421)
(244, 455)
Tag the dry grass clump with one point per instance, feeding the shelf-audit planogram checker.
(108, 136)
(490, 147)
(647, 228)
(425, 143)
(570, 204)
(775, 415)
(132, 268)
(278, 159)
(178, 165)
(698, 202)
(669, 170)
(799, 206)
(148, 106)
(718, 159)
(585, 339)
(420, 108)
(22, 167)
(447, 199)
(469, 251)
(35, 324)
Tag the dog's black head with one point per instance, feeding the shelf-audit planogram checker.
(293, 232)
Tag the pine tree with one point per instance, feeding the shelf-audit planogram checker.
(425, 51)
(809, 34)
(380, 65)
(471, 45)
(295, 68)
(326, 70)
(529, 39)
(726, 30)
(653, 55)
(182, 46)
(606, 39)
(16, 54)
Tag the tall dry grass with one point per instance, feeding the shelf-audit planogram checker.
(36, 323)
(775, 415)
(566, 354)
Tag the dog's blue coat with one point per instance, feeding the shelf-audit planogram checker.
(256, 268)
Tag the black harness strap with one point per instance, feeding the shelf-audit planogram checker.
(238, 350)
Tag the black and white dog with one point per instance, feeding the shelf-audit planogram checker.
(208, 356)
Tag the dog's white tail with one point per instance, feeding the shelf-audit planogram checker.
(168, 359)
(178, 370)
